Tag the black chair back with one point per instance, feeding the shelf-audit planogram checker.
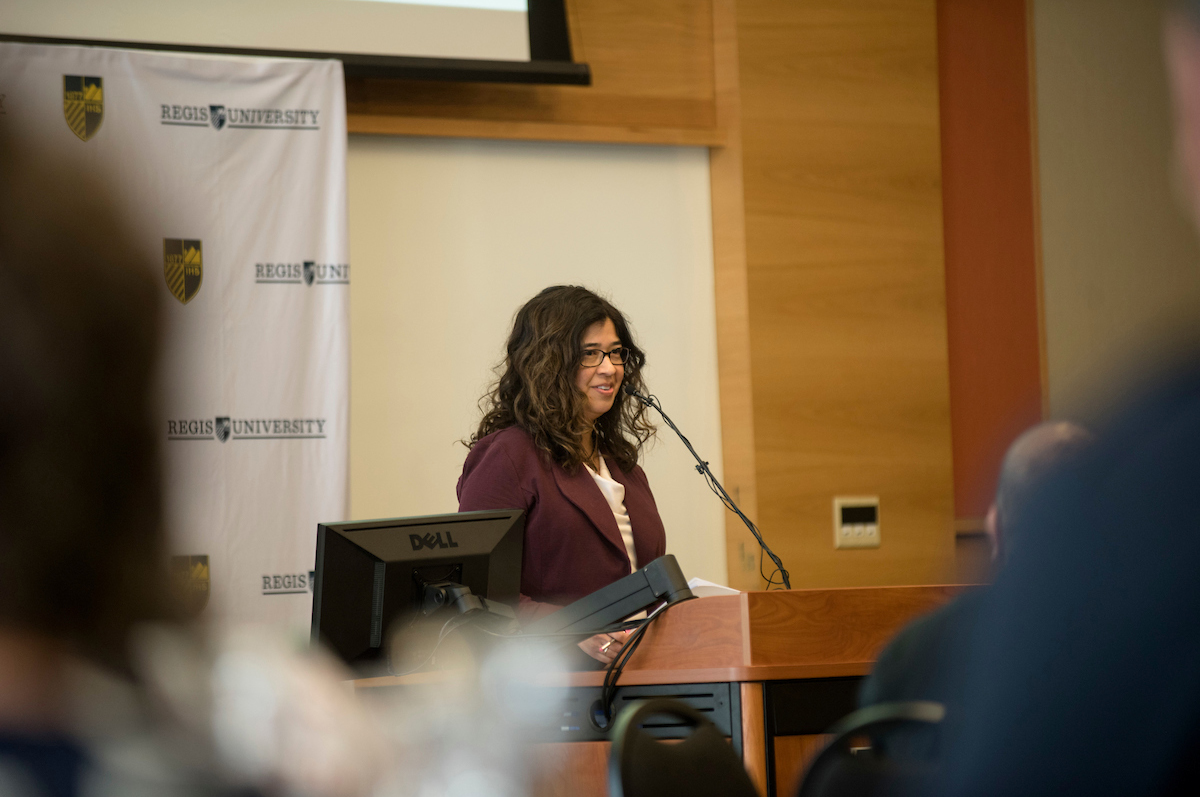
(701, 765)
(844, 769)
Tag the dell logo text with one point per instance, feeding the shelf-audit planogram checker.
(431, 541)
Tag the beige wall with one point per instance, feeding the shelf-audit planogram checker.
(1119, 254)
(449, 237)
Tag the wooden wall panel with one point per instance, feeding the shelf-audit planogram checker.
(992, 276)
(652, 82)
(839, 110)
(732, 305)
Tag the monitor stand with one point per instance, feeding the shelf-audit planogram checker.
(659, 581)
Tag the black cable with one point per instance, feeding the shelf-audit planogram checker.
(714, 485)
(615, 667)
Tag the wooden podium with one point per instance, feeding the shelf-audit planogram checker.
(792, 661)
(774, 669)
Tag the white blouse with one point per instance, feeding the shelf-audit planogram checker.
(614, 493)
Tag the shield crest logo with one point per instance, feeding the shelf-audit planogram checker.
(310, 272)
(83, 104)
(183, 267)
(216, 115)
(190, 583)
(223, 429)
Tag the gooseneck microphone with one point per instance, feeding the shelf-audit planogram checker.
(714, 485)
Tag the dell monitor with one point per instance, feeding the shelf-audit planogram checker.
(371, 573)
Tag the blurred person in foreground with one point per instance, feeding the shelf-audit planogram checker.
(80, 546)
(924, 661)
(1084, 675)
(104, 690)
(101, 691)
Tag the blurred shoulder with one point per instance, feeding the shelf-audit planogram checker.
(921, 660)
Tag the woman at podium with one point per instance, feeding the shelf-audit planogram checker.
(560, 439)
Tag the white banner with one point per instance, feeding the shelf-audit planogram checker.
(233, 172)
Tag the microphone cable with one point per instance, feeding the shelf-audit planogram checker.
(612, 673)
(714, 485)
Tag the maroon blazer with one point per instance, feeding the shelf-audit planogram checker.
(572, 544)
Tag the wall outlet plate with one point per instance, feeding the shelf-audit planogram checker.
(856, 521)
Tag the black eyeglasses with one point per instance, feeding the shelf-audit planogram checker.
(590, 358)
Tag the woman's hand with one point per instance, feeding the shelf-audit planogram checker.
(604, 647)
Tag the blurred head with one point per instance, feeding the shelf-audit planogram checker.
(545, 388)
(1182, 47)
(80, 542)
(1029, 459)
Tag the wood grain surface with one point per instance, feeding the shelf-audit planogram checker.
(796, 628)
(834, 626)
(579, 769)
(792, 755)
(652, 82)
(702, 633)
(639, 677)
(732, 305)
(754, 744)
(842, 176)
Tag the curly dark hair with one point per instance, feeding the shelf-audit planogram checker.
(536, 386)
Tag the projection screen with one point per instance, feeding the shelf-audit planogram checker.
(516, 40)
